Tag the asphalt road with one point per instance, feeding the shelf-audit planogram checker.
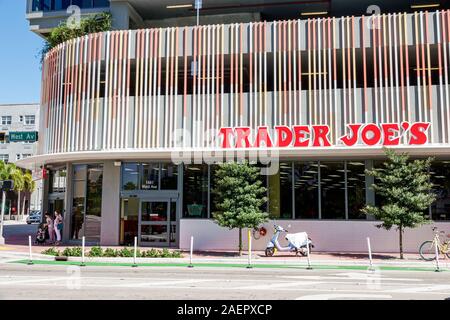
(47, 282)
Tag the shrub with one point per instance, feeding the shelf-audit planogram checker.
(126, 252)
(72, 252)
(110, 253)
(96, 252)
(51, 252)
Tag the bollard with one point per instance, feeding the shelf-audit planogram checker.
(30, 261)
(370, 254)
(190, 253)
(82, 251)
(436, 250)
(135, 253)
(249, 266)
(307, 253)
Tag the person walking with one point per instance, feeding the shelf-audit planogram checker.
(50, 227)
(58, 226)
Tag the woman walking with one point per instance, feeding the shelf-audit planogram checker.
(58, 225)
(50, 227)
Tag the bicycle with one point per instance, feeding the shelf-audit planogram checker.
(427, 249)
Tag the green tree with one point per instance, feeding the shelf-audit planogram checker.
(98, 22)
(406, 191)
(28, 186)
(18, 177)
(239, 196)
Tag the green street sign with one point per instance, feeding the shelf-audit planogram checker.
(17, 136)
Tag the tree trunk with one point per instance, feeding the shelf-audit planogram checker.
(23, 206)
(240, 241)
(400, 231)
(18, 206)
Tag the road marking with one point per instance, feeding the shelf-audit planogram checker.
(32, 280)
(164, 283)
(340, 296)
(279, 285)
(352, 276)
(422, 289)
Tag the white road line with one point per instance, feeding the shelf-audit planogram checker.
(279, 285)
(43, 279)
(340, 296)
(353, 277)
(164, 283)
(423, 289)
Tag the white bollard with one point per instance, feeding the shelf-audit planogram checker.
(30, 261)
(249, 266)
(82, 251)
(307, 253)
(135, 252)
(190, 253)
(370, 254)
(436, 250)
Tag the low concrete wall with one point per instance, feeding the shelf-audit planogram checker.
(331, 236)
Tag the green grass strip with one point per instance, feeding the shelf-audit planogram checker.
(224, 265)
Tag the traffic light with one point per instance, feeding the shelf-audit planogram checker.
(7, 185)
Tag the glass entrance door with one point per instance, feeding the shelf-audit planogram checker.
(158, 223)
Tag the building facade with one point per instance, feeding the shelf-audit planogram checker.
(133, 122)
(19, 118)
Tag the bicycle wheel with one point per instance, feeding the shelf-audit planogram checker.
(427, 251)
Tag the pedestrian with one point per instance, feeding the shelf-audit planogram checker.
(50, 227)
(58, 226)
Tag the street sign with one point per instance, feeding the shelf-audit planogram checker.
(7, 185)
(18, 136)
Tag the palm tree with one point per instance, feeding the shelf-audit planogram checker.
(18, 177)
(28, 185)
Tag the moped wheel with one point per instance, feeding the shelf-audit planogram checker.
(269, 252)
(427, 251)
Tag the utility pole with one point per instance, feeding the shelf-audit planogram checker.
(198, 6)
(5, 186)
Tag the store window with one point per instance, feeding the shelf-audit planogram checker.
(440, 178)
(86, 203)
(306, 183)
(195, 191)
(332, 179)
(356, 189)
(280, 192)
(130, 176)
(149, 176)
(57, 181)
(129, 218)
(169, 176)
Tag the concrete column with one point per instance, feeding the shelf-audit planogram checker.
(110, 205)
(68, 203)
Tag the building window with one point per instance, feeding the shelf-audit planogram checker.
(306, 186)
(332, 186)
(356, 189)
(130, 176)
(87, 201)
(26, 155)
(56, 5)
(195, 191)
(280, 192)
(6, 120)
(169, 176)
(57, 181)
(440, 178)
(149, 176)
(4, 157)
(30, 120)
(18, 156)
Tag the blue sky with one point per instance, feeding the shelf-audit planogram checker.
(20, 73)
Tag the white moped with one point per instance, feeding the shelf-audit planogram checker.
(297, 242)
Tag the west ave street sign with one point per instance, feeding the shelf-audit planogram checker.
(17, 136)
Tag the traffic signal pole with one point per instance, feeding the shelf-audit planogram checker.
(2, 239)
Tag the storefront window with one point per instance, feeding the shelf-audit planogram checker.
(356, 189)
(150, 176)
(93, 216)
(130, 176)
(306, 190)
(332, 179)
(129, 217)
(57, 181)
(195, 191)
(78, 204)
(280, 192)
(87, 202)
(440, 177)
(169, 176)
